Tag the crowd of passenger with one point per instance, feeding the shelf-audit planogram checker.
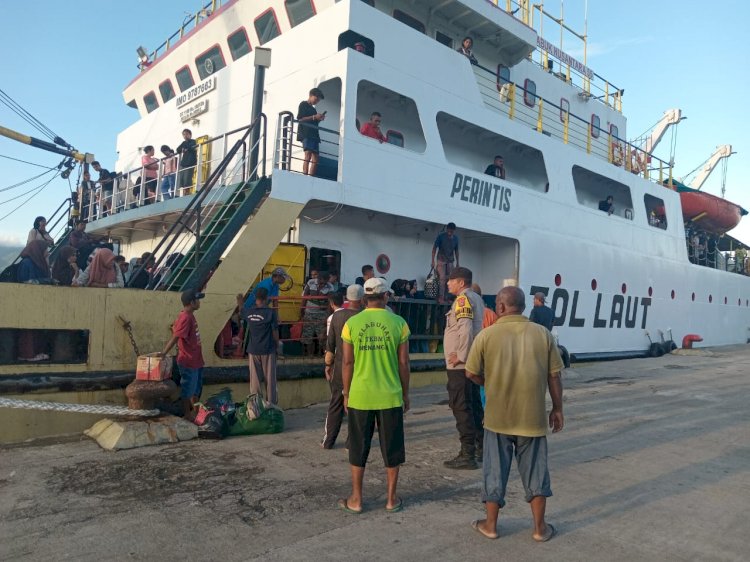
(86, 261)
(114, 192)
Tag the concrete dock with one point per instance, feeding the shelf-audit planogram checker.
(652, 465)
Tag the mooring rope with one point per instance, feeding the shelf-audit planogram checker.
(76, 408)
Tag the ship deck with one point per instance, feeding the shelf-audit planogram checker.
(652, 465)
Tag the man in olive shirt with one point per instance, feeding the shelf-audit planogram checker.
(516, 361)
(375, 373)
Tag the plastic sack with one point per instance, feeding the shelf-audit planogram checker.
(213, 427)
(271, 420)
(254, 406)
(221, 402)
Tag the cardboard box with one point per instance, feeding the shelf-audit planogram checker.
(153, 368)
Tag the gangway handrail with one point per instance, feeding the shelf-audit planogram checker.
(193, 207)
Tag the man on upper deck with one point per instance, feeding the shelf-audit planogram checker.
(372, 128)
(607, 205)
(497, 168)
(188, 151)
(307, 130)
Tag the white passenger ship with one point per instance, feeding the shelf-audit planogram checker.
(617, 282)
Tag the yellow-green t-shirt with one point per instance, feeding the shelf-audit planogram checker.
(515, 356)
(375, 334)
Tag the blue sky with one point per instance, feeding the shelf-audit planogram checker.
(67, 64)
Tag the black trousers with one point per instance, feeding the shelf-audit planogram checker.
(335, 414)
(466, 403)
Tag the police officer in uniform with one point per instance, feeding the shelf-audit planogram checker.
(463, 323)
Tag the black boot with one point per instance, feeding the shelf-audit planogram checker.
(464, 460)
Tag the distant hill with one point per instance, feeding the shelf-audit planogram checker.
(8, 253)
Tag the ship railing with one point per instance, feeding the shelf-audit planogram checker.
(131, 189)
(546, 55)
(206, 204)
(288, 152)
(191, 22)
(302, 317)
(522, 104)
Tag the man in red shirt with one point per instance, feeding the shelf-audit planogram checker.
(189, 354)
(372, 128)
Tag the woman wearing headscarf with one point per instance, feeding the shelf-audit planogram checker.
(39, 232)
(33, 267)
(102, 272)
(65, 269)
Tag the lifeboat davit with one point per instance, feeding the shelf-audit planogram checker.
(709, 212)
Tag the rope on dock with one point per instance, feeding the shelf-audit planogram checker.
(76, 408)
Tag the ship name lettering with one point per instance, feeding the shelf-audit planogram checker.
(481, 192)
(619, 312)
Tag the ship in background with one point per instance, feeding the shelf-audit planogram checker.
(618, 282)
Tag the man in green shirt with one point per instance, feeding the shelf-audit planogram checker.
(517, 361)
(375, 345)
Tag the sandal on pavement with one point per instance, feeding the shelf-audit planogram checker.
(396, 508)
(551, 532)
(478, 529)
(344, 506)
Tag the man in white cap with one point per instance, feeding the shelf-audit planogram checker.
(375, 345)
(542, 314)
(333, 358)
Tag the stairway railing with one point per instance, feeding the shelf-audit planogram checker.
(186, 232)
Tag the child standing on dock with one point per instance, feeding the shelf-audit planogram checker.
(189, 355)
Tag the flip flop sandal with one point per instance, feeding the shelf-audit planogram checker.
(396, 508)
(478, 529)
(551, 532)
(344, 506)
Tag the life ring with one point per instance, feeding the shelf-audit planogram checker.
(618, 154)
(637, 163)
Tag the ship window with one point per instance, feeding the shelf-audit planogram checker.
(209, 62)
(352, 40)
(595, 125)
(503, 76)
(472, 148)
(184, 78)
(299, 10)
(239, 46)
(412, 22)
(655, 211)
(615, 132)
(267, 26)
(150, 101)
(564, 110)
(166, 90)
(394, 137)
(529, 92)
(323, 259)
(444, 39)
(397, 111)
(132, 104)
(592, 189)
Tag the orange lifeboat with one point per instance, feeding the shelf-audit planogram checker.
(709, 212)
